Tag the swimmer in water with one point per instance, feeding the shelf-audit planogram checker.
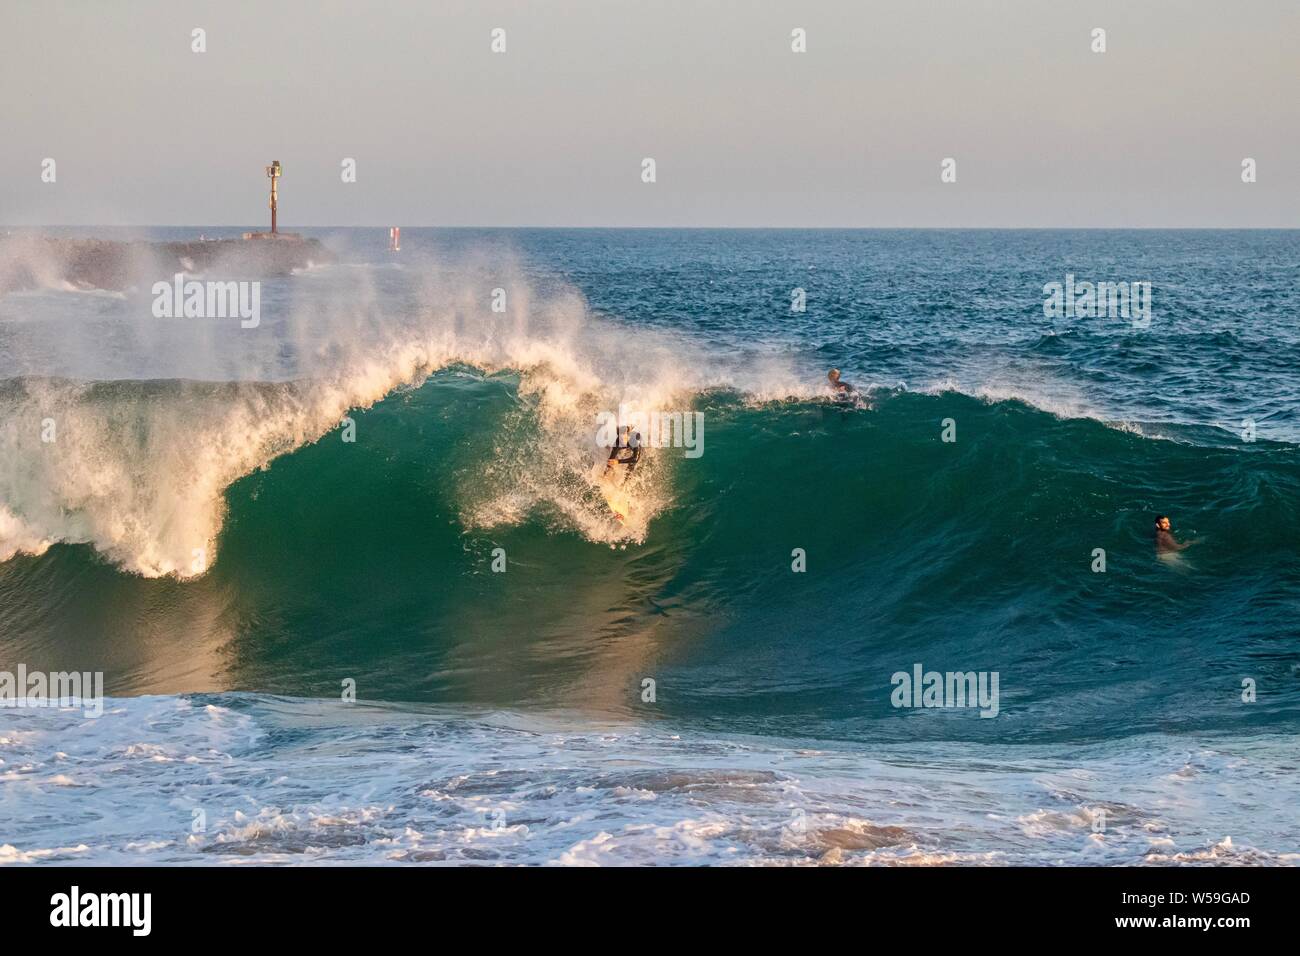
(841, 388)
(1166, 543)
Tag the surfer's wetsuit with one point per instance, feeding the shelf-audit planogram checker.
(624, 453)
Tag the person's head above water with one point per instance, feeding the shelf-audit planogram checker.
(1162, 522)
(833, 375)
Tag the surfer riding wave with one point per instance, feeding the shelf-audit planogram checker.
(626, 451)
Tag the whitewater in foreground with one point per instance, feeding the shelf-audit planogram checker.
(227, 779)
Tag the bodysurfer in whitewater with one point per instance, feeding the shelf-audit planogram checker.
(842, 389)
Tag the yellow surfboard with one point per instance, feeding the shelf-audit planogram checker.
(611, 490)
(617, 500)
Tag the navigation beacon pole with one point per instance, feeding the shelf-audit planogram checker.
(273, 173)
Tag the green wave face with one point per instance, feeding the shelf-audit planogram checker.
(373, 561)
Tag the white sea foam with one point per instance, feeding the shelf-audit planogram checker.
(139, 471)
(257, 779)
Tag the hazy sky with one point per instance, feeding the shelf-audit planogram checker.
(744, 132)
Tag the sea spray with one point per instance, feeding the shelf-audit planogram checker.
(140, 469)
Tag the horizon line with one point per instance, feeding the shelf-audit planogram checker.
(701, 228)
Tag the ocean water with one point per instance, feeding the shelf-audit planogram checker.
(208, 532)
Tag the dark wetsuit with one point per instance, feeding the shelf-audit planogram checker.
(624, 453)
